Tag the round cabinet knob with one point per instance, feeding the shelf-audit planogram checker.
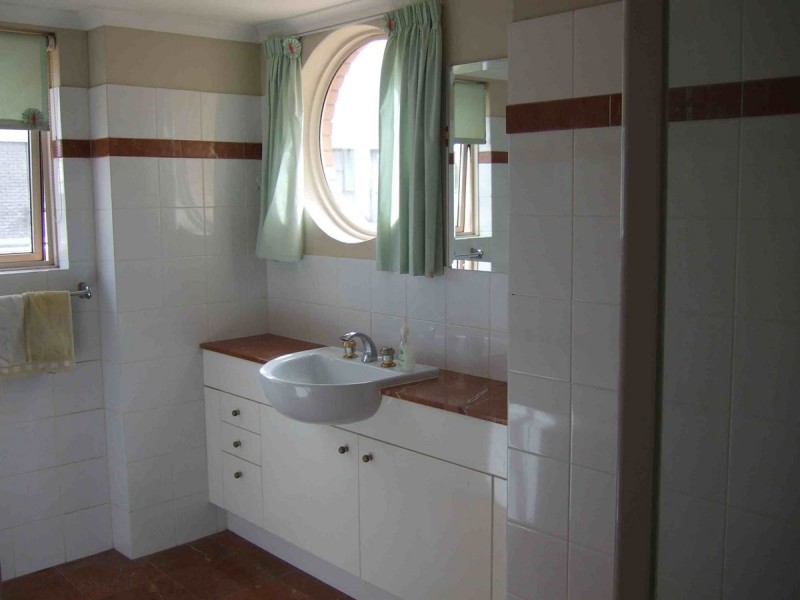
(343, 449)
(236, 412)
(366, 458)
(237, 443)
(238, 475)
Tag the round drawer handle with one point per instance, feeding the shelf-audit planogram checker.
(343, 449)
(236, 412)
(237, 443)
(366, 458)
(238, 475)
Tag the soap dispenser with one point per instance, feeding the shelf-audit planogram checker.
(406, 357)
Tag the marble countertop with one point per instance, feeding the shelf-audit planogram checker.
(468, 395)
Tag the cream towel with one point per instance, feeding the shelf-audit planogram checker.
(12, 336)
(48, 331)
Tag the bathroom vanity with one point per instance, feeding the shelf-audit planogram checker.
(412, 500)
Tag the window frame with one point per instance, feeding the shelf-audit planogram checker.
(319, 71)
(43, 254)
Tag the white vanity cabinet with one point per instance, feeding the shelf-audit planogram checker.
(311, 487)
(426, 525)
(422, 516)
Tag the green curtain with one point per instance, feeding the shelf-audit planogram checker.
(24, 73)
(410, 236)
(280, 233)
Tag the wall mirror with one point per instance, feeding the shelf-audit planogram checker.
(477, 173)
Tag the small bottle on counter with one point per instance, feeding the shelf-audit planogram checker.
(406, 357)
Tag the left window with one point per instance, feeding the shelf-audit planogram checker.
(26, 206)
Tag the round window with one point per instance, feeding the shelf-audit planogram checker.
(341, 82)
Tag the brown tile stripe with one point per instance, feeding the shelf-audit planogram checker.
(760, 98)
(494, 157)
(154, 148)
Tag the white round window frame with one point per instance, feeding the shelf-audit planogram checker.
(318, 72)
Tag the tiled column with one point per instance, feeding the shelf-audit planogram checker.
(564, 303)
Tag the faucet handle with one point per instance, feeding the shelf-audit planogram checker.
(349, 349)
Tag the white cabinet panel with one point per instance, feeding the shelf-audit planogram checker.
(240, 412)
(310, 488)
(241, 487)
(499, 515)
(426, 525)
(241, 443)
(214, 447)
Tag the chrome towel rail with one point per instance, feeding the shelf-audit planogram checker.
(84, 291)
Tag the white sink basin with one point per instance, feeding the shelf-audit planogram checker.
(319, 386)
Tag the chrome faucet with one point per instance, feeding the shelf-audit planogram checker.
(370, 349)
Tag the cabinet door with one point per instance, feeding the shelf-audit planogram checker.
(426, 525)
(214, 448)
(241, 487)
(310, 487)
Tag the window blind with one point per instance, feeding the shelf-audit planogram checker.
(24, 79)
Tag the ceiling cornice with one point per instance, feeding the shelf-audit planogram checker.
(327, 18)
(40, 17)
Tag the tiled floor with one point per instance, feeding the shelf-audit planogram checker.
(220, 567)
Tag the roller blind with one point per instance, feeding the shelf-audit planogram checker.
(469, 112)
(24, 76)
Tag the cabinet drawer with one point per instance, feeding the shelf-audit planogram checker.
(240, 412)
(241, 488)
(241, 443)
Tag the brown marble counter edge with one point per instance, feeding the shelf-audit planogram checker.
(233, 347)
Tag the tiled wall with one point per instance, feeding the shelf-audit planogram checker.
(563, 312)
(54, 499)
(730, 464)
(457, 322)
(176, 239)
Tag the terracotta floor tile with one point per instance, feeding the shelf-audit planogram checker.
(217, 580)
(312, 586)
(201, 552)
(276, 589)
(49, 585)
(108, 573)
(163, 588)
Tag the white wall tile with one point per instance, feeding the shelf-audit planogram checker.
(594, 428)
(540, 65)
(540, 343)
(149, 482)
(86, 330)
(760, 557)
(690, 547)
(705, 42)
(180, 182)
(541, 256)
(700, 256)
(28, 447)
(225, 230)
(540, 173)
(7, 554)
(537, 565)
(134, 182)
(26, 399)
(765, 373)
(596, 246)
(131, 111)
(539, 415)
(430, 342)
(770, 46)
(73, 106)
(178, 115)
(355, 320)
(137, 233)
(195, 518)
(591, 574)
(765, 468)
(427, 300)
(184, 281)
(321, 276)
(498, 302)
(29, 497)
(81, 436)
(183, 231)
(770, 184)
(83, 484)
(78, 191)
(354, 284)
(222, 117)
(498, 355)
(538, 492)
(598, 50)
(139, 284)
(597, 187)
(224, 182)
(152, 529)
(592, 509)
(189, 472)
(226, 276)
(38, 545)
(595, 344)
(702, 168)
(87, 532)
(251, 118)
(388, 293)
(98, 112)
(467, 350)
(768, 260)
(80, 224)
(323, 325)
(468, 298)
(237, 319)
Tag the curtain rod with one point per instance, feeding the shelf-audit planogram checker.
(357, 21)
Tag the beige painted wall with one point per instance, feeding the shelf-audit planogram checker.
(529, 9)
(71, 57)
(125, 56)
